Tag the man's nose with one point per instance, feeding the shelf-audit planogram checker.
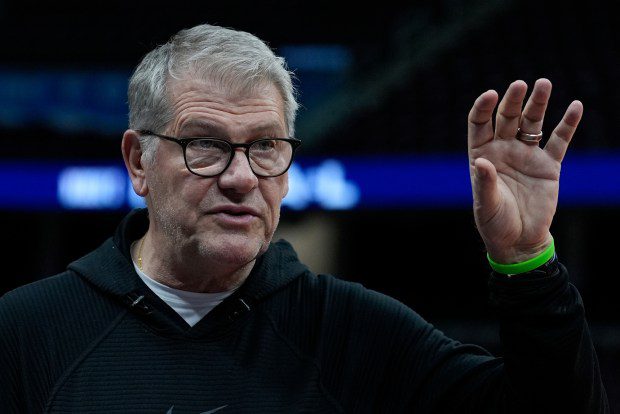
(239, 175)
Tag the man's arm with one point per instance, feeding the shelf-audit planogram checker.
(550, 364)
(515, 185)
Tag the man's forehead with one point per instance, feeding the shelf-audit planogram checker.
(194, 100)
(225, 91)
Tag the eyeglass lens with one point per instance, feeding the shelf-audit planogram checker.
(210, 157)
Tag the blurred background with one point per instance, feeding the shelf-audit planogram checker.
(380, 191)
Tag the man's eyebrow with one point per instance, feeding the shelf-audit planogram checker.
(201, 127)
(267, 127)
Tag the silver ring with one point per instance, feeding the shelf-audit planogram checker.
(524, 136)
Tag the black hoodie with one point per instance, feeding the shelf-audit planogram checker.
(95, 339)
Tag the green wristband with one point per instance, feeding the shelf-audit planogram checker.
(527, 266)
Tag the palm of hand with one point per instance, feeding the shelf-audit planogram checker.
(527, 180)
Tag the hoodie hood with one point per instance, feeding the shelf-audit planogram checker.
(110, 269)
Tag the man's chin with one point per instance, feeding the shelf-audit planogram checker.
(234, 250)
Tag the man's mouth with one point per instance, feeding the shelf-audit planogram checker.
(235, 215)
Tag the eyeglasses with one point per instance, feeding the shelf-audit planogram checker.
(208, 157)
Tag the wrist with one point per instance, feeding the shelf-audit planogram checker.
(518, 254)
(525, 266)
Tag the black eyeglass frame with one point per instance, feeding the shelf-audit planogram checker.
(184, 142)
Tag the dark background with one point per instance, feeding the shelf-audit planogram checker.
(416, 71)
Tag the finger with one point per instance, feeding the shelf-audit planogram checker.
(509, 110)
(562, 134)
(534, 112)
(479, 121)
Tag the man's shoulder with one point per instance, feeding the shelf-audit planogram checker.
(46, 284)
(346, 289)
(43, 296)
(329, 319)
(347, 299)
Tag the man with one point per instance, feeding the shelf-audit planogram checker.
(190, 308)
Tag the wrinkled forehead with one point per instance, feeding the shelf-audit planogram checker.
(224, 89)
(192, 99)
(230, 82)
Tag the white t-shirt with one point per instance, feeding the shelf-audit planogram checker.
(191, 306)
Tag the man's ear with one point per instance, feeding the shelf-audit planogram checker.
(132, 155)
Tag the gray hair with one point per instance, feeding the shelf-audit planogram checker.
(236, 60)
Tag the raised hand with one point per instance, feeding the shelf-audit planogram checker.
(515, 183)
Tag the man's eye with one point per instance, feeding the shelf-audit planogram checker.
(209, 145)
(266, 145)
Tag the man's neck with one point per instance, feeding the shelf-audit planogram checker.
(190, 272)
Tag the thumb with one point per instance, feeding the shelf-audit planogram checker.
(485, 190)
